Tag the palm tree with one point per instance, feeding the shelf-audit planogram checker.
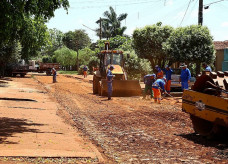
(111, 24)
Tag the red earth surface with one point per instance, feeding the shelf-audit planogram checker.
(132, 130)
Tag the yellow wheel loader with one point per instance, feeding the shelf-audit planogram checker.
(121, 86)
(207, 104)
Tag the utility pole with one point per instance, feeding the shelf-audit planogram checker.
(200, 14)
(100, 29)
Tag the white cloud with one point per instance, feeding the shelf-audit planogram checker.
(224, 24)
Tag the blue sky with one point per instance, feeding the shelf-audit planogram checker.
(175, 13)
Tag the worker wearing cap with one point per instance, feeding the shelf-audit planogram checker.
(85, 68)
(54, 74)
(206, 67)
(110, 77)
(157, 86)
(185, 76)
(159, 72)
(168, 72)
(148, 81)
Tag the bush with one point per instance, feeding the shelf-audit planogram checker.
(93, 62)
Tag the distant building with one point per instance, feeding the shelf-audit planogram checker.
(221, 61)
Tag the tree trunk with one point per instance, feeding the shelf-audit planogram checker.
(198, 64)
(77, 62)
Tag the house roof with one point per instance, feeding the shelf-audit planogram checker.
(220, 45)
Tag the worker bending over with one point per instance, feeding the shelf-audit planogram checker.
(148, 81)
(206, 67)
(110, 77)
(168, 72)
(159, 72)
(157, 86)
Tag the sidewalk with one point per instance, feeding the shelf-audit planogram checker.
(30, 126)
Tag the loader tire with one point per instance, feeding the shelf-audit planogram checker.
(95, 85)
(201, 126)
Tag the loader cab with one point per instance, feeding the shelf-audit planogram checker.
(108, 57)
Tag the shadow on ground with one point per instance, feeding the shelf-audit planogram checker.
(219, 142)
(11, 126)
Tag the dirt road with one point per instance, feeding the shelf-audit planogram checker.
(132, 130)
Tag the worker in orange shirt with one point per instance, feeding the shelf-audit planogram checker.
(168, 72)
(159, 72)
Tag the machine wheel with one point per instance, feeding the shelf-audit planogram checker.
(95, 85)
(201, 126)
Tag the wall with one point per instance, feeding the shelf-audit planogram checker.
(219, 60)
(225, 62)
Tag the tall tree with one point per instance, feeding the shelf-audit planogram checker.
(111, 24)
(55, 42)
(76, 40)
(148, 41)
(191, 44)
(23, 21)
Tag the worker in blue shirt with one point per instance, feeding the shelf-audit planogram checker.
(110, 77)
(168, 72)
(206, 67)
(157, 86)
(148, 81)
(185, 76)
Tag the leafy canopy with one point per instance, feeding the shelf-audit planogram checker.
(190, 44)
(76, 40)
(148, 41)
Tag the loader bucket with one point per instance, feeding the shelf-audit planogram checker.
(122, 88)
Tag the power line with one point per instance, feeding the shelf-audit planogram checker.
(119, 4)
(185, 12)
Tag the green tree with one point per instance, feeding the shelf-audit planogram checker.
(55, 42)
(136, 67)
(76, 40)
(14, 16)
(148, 41)
(191, 44)
(34, 35)
(111, 24)
(9, 53)
(24, 22)
(66, 57)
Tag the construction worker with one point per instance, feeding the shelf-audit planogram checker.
(206, 67)
(185, 76)
(148, 81)
(157, 86)
(159, 72)
(54, 74)
(110, 77)
(85, 71)
(168, 72)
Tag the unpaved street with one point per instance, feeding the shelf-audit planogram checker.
(131, 130)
